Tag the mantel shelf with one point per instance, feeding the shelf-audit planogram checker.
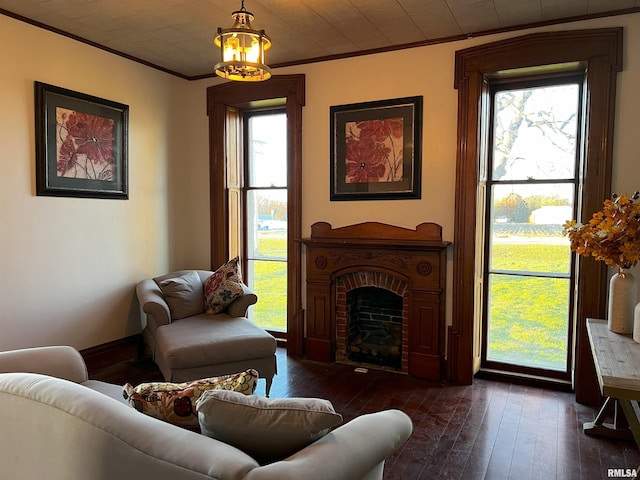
(426, 235)
(376, 242)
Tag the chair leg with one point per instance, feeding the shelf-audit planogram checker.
(268, 386)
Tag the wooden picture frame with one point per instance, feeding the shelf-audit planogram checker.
(81, 144)
(376, 150)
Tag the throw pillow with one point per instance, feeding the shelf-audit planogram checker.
(223, 287)
(265, 428)
(175, 402)
(184, 295)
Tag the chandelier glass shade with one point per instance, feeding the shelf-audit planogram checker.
(242, 50)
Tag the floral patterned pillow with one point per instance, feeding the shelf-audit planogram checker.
(175, 402)
(223, 287)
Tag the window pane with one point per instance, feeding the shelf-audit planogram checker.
(528, 321)
(535, 133)
(266, 217)
(270, 285)
(267, 224)
(268, 150)
(526, 227)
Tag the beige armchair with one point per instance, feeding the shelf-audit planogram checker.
(201, 345)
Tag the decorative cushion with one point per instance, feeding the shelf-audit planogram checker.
(184, 295)
(267, 429)
(174, 402)
(223, 287)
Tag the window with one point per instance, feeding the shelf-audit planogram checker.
(596, 54)
(225, 104)
(266, 214)
(533, 173)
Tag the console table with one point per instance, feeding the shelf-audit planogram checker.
(617, 361)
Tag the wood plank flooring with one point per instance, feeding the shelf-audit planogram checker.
(489, 430)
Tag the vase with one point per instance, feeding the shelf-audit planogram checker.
(636, 323)
(623, 292)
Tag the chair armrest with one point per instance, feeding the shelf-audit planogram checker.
(354, 450)
(152, 302)
(56, 361)
(238, 308)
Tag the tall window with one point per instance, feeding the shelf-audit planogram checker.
(225, 104)
(531, 183)
(597, 56)
(265, 219)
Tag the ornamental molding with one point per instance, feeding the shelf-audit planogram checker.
(401, 261)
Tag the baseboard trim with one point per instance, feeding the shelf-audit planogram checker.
(525, 379)
(102, 356)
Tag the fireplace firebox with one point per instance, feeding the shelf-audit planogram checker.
(373, 332)
(376, 295)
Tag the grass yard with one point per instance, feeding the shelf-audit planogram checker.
(528, 317)
(533, 257)
(270, 283)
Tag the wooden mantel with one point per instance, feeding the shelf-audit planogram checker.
(377, 233)
(415, 256)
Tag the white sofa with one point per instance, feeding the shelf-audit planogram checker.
(59, 425)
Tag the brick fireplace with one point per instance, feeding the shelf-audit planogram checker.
(388, 280)
(371, 314)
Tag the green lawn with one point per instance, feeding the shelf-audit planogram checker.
(528, 316)
(533, 257)
(270, 283)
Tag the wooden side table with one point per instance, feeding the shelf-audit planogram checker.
(617, 361)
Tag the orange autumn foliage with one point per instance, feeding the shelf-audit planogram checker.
(612, 235)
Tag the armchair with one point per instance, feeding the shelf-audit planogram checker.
(202, 345)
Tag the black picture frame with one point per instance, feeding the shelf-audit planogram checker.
(376, 150)
(81, 144)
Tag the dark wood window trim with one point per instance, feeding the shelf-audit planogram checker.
(288, 90)
(598, 53)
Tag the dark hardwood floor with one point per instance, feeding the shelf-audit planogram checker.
(489, 430)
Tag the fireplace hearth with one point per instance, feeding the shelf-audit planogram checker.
(375, 295)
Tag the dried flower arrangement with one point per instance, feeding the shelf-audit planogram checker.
(612, 235)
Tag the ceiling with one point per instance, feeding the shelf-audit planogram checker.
(177, 35)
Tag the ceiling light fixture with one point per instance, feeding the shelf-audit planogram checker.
(242, 50)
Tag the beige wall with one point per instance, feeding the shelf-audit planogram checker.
(69, 266)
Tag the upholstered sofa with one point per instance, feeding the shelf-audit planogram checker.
(188, 344)
(59, 425)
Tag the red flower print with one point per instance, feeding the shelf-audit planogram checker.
(364, 161)
(374, 150)
(85, 145)
(381, 130)
(93, 136)
(182, 407)
(66, 156)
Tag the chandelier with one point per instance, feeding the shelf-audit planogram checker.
(242, 50)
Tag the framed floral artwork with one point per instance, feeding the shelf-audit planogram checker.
(376, 150)
(81, 144)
